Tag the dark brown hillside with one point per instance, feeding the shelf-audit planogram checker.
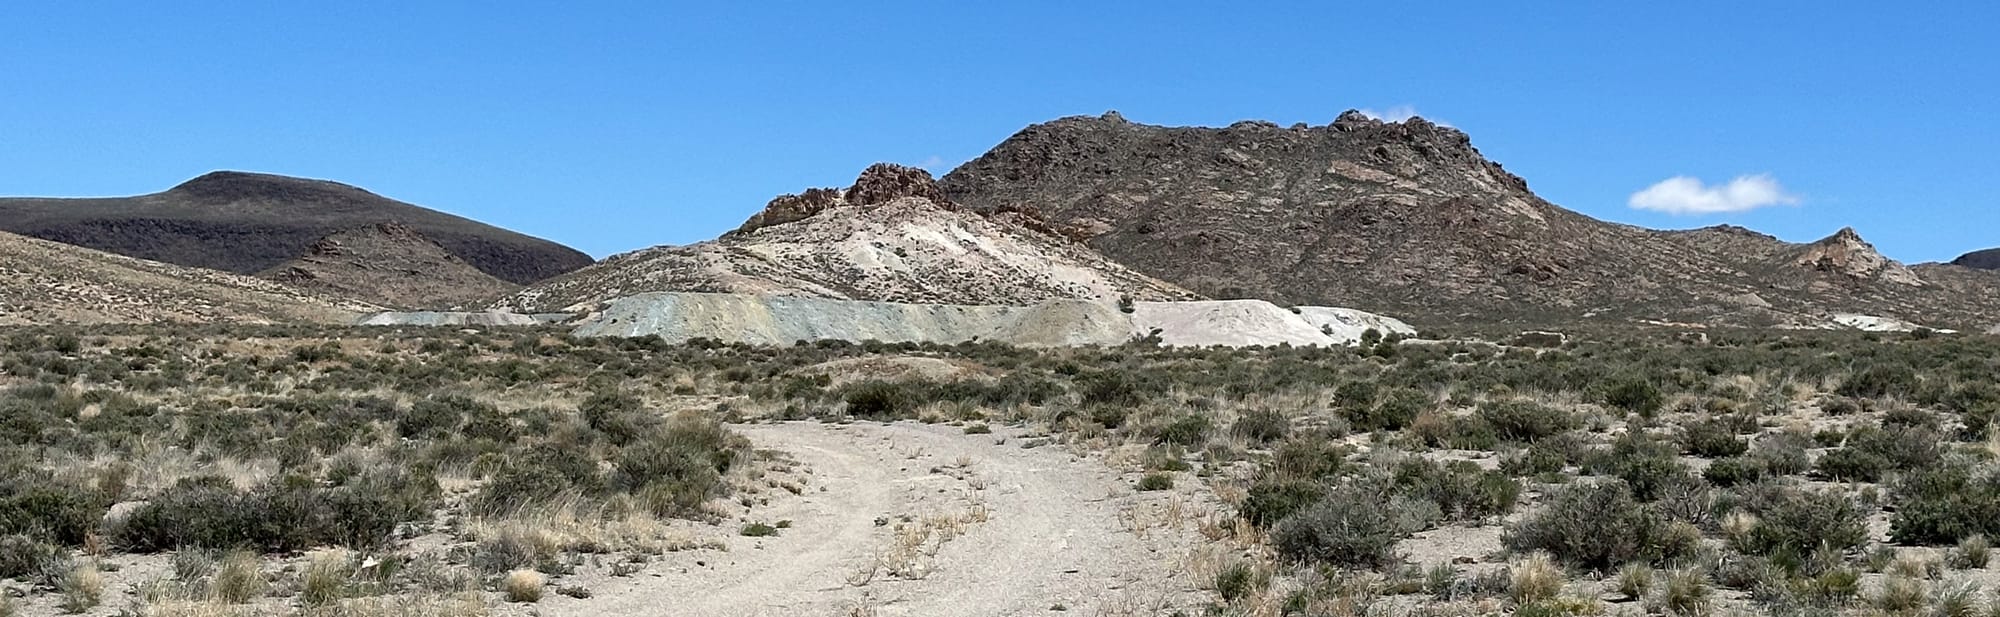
(1408, 218)
(248, 223)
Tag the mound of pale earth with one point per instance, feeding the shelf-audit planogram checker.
(447, 318)
(898, 368)
(784, 320)
(1025, 529)
(1871, 323)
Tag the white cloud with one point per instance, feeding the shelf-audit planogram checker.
(1396, 113)
(934, 164)
(1688, 195)
(1399, 113)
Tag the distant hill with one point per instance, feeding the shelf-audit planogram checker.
(389, 265)
(892, 236)
(1409, 219)
(46, 283)
(248, 223)
(1988, 259)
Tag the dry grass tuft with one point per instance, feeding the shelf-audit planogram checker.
(1535, 579)
(523, 586)
(324, 580)
(239, 579)
(82, 589)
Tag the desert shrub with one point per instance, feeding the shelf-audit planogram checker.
(1593, 524)
(1370, 408)
(1634, 394)
(1735, 470)
(1851, 464)
(1355, 525)
(285, 515)
(1880, 380)
(537, 476)
(1712, 439)
(622, 418)
(879, 399)
(1461, 489)
(1308, 457)
(1523, 420)
(1792, 524)
(1871, 451)
(53, 511)
(1190, 430)
(1944, 505)
(26, 558)
(1156, 481)
(1271, 500)
(1784, 454)
(1535, 579)
(1261, 426)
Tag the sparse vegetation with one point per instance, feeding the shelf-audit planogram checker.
(1753, 471)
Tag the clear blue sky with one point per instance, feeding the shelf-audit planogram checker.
(612, 127)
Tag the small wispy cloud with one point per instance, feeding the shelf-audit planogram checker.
(934, 164)
(1689, 195)
(1397, 113)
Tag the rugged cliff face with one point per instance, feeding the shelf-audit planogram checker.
(891, 236)
(1409, 218)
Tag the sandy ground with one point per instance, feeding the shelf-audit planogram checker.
(1000, 530)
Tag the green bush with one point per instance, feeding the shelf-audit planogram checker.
(1354, 526)
(1734, 470)
(1634, 394)
(29, 559)
(1190, 430)
(48, 510)
(1712, 439)
(1880, 380)
(1156, 481)
(1944, 505)
(1592, 524)
(1792, 524)
(879, 399)
(1461, 489)
(1522, 420)
(288, 514)
(1271, 500)
(1262, 426)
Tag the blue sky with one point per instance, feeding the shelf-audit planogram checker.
(612, 127)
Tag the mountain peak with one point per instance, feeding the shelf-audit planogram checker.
(1844, 253)
(884, 182)
(232, 186)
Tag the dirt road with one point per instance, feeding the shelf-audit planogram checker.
(911, 519)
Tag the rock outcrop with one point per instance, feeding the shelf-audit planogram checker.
(886, 238)
(1410, 218)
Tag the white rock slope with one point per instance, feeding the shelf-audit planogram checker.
(784, 320)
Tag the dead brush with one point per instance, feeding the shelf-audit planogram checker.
(913, 547)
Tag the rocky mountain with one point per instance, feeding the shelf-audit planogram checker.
(1408, 218)
(249, 223)
(1988, 259)
(891, 236)
(390, 265)
(45, 283)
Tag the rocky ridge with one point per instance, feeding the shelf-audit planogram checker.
(891, 236)
(1410, 218)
